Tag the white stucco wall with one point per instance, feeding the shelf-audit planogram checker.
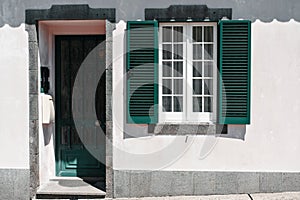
(272, 141)
(14, 103)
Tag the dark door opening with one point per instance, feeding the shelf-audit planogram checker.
(73, 157)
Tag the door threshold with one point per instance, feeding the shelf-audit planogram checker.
(57, 178)
(71, 188)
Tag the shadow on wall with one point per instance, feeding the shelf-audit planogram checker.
(48, 132)
(12, 12)
(235, 132)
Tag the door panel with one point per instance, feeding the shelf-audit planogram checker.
(72, 156)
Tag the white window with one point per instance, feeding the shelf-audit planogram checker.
(187, 72)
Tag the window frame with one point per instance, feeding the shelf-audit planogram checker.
(188, 116)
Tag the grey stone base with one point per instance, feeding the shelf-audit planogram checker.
(14, 184)
(173, 183)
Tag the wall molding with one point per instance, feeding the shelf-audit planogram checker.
(14, 184)
(182, 13)
(70, 12)
(139, 183)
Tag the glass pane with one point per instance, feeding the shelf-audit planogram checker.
(178, 69)
(197, 51)
(167, 86)
(197, 104)
(177, 104)
(208, 89)
(208, 69)
(208, 34)
(197, 86)
(167, 34)
(178, 86)
(207, 104)
(197, 69)
(167, 104)
(167, 69)
(167, 51)
(178, 51)
(197, 34)
(208, 52)
(178, 34)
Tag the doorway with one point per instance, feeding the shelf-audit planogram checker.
(74, 157)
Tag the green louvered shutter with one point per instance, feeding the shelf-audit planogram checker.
(235, 68)
(142, 62)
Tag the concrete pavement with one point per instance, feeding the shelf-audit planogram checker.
(260, 196)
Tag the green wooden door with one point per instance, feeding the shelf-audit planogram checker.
(72, 155)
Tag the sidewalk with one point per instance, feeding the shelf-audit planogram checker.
(260, 196)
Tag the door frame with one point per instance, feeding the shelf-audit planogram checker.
(58, 13)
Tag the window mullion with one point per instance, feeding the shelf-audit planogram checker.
(188, 81)
(203, 58)
(160, 71)
(215, 75)
(172, 69)
(185, 102)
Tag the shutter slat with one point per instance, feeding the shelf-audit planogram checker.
(235, 42)
(142, 62)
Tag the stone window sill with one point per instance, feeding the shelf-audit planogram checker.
(187, 129)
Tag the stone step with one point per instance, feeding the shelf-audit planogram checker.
(69, 198)
(72, 188)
